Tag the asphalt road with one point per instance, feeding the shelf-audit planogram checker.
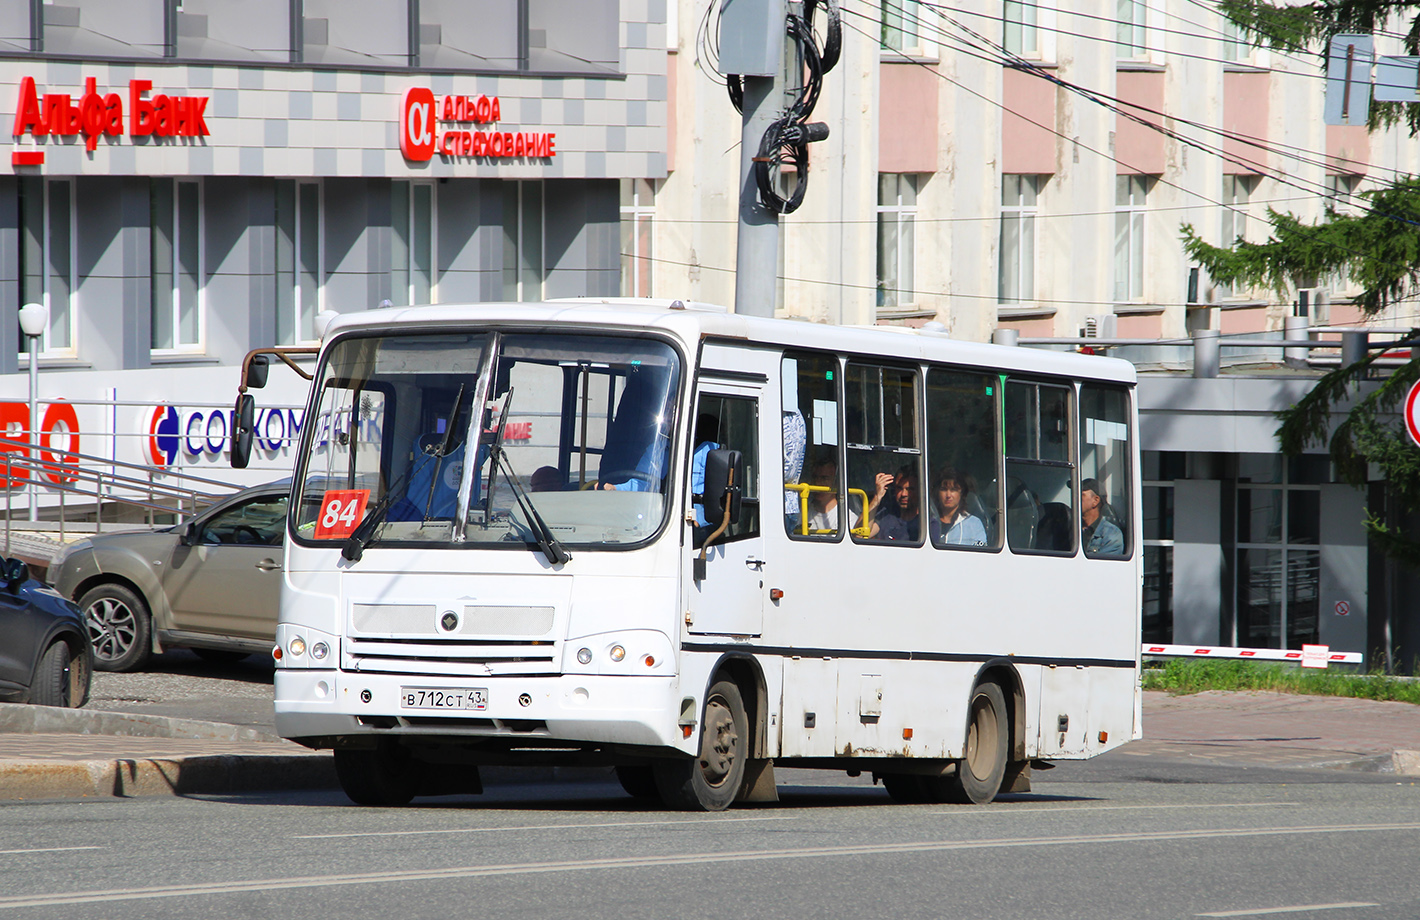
(179, 685)
(1097, 849)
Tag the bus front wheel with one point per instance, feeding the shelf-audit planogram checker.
(983, 765)
(710, 781)
(386, 775)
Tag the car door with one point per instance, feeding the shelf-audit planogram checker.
(19, 633)
(227, 580)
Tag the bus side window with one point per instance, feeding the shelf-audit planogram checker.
(962, 485)
(811, 453)
(1104, 471)
(730, 422)
(1040, 502)
(884, 459)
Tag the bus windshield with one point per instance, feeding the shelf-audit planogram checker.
(572, 440)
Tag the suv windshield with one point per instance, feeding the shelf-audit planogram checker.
(583, 424)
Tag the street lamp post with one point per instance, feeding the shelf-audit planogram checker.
(34, 317)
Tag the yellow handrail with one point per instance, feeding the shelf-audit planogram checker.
(864, 528)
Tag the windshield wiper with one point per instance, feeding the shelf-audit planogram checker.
(495, 453)
(355, 544)
(555, 552)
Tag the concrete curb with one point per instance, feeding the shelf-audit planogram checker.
(27, 719)
(200, 775)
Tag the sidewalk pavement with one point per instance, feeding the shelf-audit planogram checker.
(55, 753)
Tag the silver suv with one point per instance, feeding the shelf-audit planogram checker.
(210, 584)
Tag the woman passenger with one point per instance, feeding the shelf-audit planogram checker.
(953, 524)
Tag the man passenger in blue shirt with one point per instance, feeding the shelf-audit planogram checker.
(1100, 535)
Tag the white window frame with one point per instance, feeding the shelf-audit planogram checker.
(1027, 21)
(1236, 200)
(410, 292)
(1024, 268)
(1134, 30)
(642, 207)
(520, 294)
(174, 301)
(911, 17)
(898, 214)
(46, 348)
(1130, 216)
(297, 267)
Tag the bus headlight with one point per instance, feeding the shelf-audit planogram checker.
(634, 651)
(300, 646)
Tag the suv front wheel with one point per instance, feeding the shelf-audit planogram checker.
(120, 627)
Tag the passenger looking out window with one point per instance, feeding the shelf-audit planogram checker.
(953, 524)
(1100, 535)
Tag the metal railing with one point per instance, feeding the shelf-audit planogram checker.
(91, 482)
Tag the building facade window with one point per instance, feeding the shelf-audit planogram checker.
(902, 27)
(1237, 193)
(1019, 195)
(299, 269)
(897, 216)
(1129, 203)
(1160, 470)
(46, 257)
(1277, 561)
(1021, 35)
(176, 265)
(638, 211)
(413, 219)
(523, 244)
(1129, 29)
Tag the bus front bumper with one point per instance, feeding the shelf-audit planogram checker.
(573, 708)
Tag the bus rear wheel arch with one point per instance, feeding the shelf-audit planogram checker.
(711, 780)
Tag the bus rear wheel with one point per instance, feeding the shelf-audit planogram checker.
(983, 765)
(710, 781)
(384, 776)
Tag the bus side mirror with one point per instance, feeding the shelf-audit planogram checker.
(258, 370)
(724, 479)
(243, 426)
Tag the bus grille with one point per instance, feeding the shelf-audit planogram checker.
(450, 657)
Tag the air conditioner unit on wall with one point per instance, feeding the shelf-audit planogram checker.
(1100, 326)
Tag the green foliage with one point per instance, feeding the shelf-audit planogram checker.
(1195, 675)
(1379, 249)
(1308, 27)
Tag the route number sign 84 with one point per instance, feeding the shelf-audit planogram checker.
(340, 512)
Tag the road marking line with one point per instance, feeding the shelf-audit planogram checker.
(47, 850)
(544, 827)
(916, 847)
(1010, 808)
(1257, 912)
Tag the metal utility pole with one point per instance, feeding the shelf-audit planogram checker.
(774, 67)
(757, 255)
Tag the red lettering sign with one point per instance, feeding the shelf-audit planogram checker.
(420, 139)
(340, 513)
(416, 124)
(98, 114)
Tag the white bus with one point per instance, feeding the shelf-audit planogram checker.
(695, 546)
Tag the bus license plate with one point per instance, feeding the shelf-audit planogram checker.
(438, 698)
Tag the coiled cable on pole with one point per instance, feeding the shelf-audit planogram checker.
(785, 143)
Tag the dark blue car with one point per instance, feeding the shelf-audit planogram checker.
(45, 656)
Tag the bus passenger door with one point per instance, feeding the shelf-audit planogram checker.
(729, 600)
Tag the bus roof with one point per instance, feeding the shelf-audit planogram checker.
(693, 322)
